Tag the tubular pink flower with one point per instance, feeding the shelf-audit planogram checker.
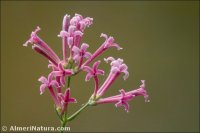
(66, 22)
(80, 53)
(93, 72)
(49, 83)
(65, 99)
(123, 98)
(109, 42)
(117, 67)
(62, 73)
(41, 51)
(141, 91)
(65, 27)
(34, 39)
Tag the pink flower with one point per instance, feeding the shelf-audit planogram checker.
(44, 53)
(65, 27)
(117, 67)
(65, 99)
(46, 83)
(73, 36)
(62, 73)
(72, 31)
(49, 83)
(123, 98)
(141, 91)
(41, 47)
(80, 53)
(109, 42)
(66, 22)
(80, 22)
(94, 71)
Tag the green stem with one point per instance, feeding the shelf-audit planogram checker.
(68, 81)
(69, 78)
(63, 125)
(77, 112)
(63, 121)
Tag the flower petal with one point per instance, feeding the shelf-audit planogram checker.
(50, 76)
(84, 47)
(63, 34)
(88, 77)
(104, 35)
(110, 40)
(117, 46)
(143, 84)
(72, 100)
(88, 69)
(43, 80)
(34, 38)
(70, 41)
(123, 103)
(87, 55)
(42, 88)
(95, 65)
(76, 50)
(71, 29)
(123, 93)
(68, 72)
(60, 66)
(123, 67)
(78, 33)
(126, 74)
(77, 58)
(57, 73)
(62, 80)
(54, 83)
(115, 69)
(109, 59)
(99, 71)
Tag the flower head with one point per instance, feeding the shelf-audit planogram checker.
(71, 64)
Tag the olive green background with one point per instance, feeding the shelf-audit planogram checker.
(161, 45)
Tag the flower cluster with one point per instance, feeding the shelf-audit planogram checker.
(76, 59)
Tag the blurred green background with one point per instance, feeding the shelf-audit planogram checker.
(161, 45)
